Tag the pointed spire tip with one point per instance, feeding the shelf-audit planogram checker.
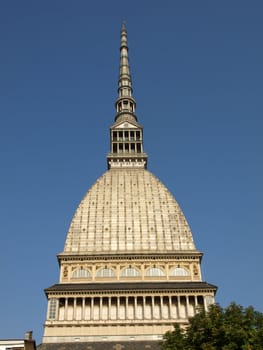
(123, 25)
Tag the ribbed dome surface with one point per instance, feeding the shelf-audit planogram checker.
(128, 211)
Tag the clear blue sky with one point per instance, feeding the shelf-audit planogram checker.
(197, 69)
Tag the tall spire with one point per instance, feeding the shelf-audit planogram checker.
(126, 135)
(125, 102)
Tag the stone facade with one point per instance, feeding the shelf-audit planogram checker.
(130, 268)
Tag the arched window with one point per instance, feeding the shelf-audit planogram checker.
(179, 271)
(81, 273)
(154, 272)
(130, 272)
(105, 272)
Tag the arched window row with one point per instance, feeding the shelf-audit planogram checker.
(132, 272)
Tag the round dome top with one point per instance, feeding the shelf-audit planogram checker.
(128, 211)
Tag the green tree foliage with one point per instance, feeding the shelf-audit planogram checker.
(174, 340)
(232, 328)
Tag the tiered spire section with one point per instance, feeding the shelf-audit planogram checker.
(125, 102)
(126, 133)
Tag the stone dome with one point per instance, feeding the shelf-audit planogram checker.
(128, 211)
